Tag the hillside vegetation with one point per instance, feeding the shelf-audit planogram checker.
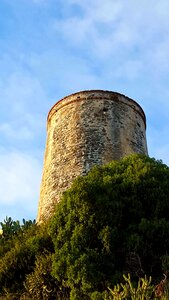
(110, 223)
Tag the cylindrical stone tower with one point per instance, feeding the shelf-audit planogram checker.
(85, 129)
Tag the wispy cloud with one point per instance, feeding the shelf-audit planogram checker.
(132, 29)
(50, 49)
(20, 180)
(23, 103)
(15, 133)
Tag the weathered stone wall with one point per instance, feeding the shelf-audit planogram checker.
(84, 129)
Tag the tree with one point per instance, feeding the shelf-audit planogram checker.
(114, 220)
(10, 230)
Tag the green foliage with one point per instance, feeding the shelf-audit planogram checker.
(10, 230)
(40, 284)
(10, 227)
(143, 290)
(18, 255)
(113, 220)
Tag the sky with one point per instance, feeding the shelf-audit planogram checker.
(52, 48)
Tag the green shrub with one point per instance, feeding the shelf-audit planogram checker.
(40, 284)
(19, 259)
(112, 221)
(142, 290)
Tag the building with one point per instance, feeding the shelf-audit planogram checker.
(85, 129)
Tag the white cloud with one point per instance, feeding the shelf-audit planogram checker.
(131, 69)
(68, 73)
(20, 182)
(15, 133)
(22, 92)
(23, 107)
(22, 127)
(106, 28)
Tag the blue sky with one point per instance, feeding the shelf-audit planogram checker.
(52, 48)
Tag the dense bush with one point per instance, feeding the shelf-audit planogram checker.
(18, 255)
(115, 220)
(40, 284)
(111, 222)
(142, 290)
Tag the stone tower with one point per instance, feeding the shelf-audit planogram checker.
(85, 129)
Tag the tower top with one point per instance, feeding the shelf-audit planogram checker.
(96, 95)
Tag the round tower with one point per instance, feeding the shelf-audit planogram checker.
(85, 129)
